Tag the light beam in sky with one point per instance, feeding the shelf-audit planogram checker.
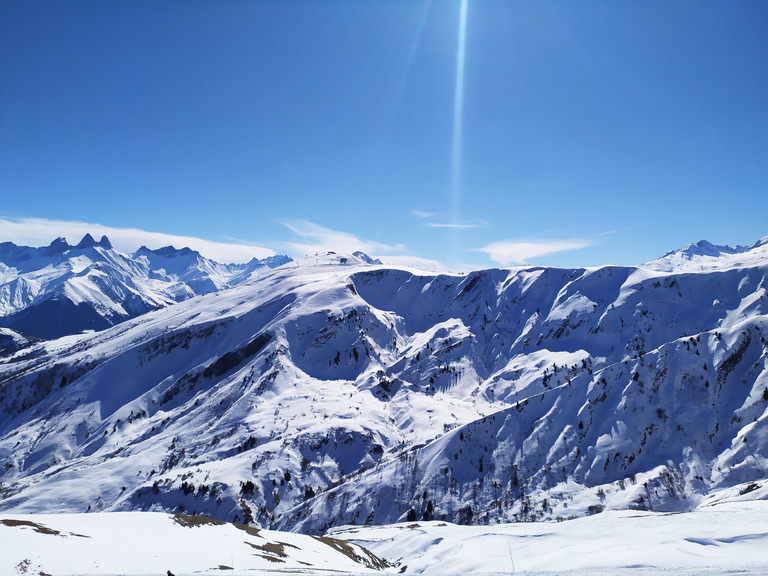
(414, 46)
(458, 119)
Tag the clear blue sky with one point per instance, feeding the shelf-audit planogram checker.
(612, 131)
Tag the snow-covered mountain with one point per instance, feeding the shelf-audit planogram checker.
(331, 391)
(60, 289)
(704, 256)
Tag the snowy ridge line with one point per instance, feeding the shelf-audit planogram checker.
(706, 257)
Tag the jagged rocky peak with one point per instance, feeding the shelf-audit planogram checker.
(86, 242)
(89, 242)
(60, 242)
(58, 246)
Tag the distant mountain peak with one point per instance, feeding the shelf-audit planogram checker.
(89, 242)
(86, 242)
(365, 258)
(705, 255)
(761, 242)
(57, 246)
(270, 261)
(169, 251)
(705, 248)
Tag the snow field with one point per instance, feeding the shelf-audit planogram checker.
(726, 538)
(151, 543)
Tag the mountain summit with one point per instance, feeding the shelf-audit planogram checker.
(89, 242)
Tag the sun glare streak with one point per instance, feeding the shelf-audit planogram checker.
(458, 120)
(405, 72)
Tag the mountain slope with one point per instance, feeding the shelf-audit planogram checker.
(109, 544)
(60, 289)
(331, 392)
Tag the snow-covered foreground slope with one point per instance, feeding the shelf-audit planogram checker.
(331, 392)
(717, 539)
(153, 543)
(728, 538)
(61, 289)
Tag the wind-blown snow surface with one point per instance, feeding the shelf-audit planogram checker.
(61, 289)
(330, 392)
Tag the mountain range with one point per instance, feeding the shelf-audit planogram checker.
(335, 391)
(61, 289)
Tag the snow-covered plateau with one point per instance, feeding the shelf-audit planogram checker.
(334, 392)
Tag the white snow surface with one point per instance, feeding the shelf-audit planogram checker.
(152, 543)
(727, 537)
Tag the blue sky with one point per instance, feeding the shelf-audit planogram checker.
(589, 133)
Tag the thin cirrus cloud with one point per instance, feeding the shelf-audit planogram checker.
(42, 231)
(509, 253)
(423, 215)
(318, 239)
(432, 220)
(454, 226)
(407, 261)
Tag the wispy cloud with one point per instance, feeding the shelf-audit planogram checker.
(406, 261)
(454, 226)
(422, 215)
(433, 220)
(508, 253)
(317, 238)
(41, 231)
